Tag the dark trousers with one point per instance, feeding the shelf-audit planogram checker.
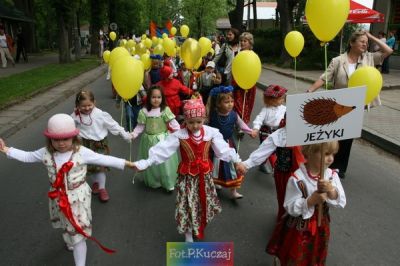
(21, 50)
(385, 65)
(342, 157)
(131, 116)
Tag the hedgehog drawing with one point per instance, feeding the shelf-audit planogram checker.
(323, 111)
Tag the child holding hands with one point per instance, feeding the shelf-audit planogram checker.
(93, 125)
(305, 192)
(196, 201)
(267, 121)
(69, 196)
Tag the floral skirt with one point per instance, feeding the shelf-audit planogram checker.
(188, 207)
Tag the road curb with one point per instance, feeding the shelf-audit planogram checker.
(73, 86)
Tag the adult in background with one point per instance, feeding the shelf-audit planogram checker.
(339, 71)
(21, 46)
(223, 60)
(244, 100)
(6, 47)
(391, 41)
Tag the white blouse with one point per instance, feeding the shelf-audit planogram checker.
(294, 202)
(88, 156)
(164, 149)
(95, 126)
(266, 148)
(269, 116)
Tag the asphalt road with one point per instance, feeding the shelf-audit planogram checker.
(138, 221)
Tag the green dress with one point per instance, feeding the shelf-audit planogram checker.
(165, 174)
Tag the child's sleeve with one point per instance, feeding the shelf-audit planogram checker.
(26, 156)
(91, 157)
(257, 123)
(341, 199)
(221, 148)
(294, 202)
(243, 126)
(113, 125)
(159, 153)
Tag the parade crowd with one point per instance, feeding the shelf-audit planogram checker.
(189, 124)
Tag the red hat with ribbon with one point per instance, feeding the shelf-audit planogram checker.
(275, 91)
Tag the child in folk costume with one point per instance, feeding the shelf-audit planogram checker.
(93, 125)
(225, 119)
(172, 89)
(267, 121)
(69, 196)
(155, 120)
(196, 201)
(302, 241)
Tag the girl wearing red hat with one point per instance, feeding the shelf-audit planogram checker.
(267, 121)
(171, 89)
(196, 200)
(69, 195)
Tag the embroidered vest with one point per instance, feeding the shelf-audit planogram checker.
(195, 157)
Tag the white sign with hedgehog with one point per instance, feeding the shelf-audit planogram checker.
(324, 116)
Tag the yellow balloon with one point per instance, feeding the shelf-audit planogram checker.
(131, 43)
(212, 51)
(184, 30)
(146, 61)
(154, 40)
(132, 51)
(148, 43)
(168, 46)
(198, 64)
(159, 49)
(115, 54)
(246, 69)
(106, 56)
(122, 43)
(144, 36)
(205, 45)
(294, 43)
(113, 35)
(173, 31)
(371, 78)
(140, 48)
(190, 52)
(160, 41)
(164, 35)
(127, 77)
(326, 17)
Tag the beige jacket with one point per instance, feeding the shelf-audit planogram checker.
(338, 69)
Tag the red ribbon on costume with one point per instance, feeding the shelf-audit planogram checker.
(64, 205)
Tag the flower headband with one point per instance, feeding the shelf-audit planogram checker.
(221, 89)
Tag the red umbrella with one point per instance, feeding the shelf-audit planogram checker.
(362, 14)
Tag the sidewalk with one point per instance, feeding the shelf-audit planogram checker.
(18, 116)
(381, 124)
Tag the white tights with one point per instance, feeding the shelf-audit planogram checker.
(100, 178)
(80, 250)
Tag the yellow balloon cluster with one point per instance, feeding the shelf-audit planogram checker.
(113, 35)
(294, 43)
(159, 49)
(326, 17)
(246, 69)
(205, 45)
(146, 61)
(115, 54)
(173, 31)
(127, 77)
(168, 46)
(190, 52)
(371, 78)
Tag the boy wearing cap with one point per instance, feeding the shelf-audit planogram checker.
(207, 80)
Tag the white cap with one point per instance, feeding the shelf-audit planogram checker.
(210, 64)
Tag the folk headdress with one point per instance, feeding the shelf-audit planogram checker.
(275, 91)
(194, 108)
(221, 89)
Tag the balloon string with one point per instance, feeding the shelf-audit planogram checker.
(241, 116)
(122, 111)
(295, 74)
(326, 65)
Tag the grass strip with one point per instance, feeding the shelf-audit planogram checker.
(21, 86)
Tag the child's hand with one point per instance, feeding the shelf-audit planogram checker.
(316, 198)
(254, 133)
(131, 165)
(324, 185)
(127, 136)
(3, 147)
(240, 168)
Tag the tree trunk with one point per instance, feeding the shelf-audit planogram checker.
(236, 15)
(285, 18)
(95, 25)
(77, 38)
(254, 14)
(64, 43)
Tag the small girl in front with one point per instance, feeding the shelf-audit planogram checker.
(302, 241)
(155, 119)
(225, 119)
(269, 118)
(69, 195)
(196, 200)
(93, 125)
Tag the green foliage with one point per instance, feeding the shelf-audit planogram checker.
(267, 43)
(24, 85)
